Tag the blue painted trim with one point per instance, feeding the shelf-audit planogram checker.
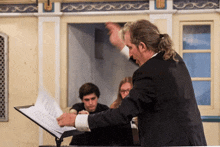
(210, 118)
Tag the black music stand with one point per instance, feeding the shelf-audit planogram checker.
(57, 139)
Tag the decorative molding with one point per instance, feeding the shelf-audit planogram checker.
(116, 7)
(17, 14)
(105, 6)
(198, 11)
(195, 4)
(18, 8)
(56, 20)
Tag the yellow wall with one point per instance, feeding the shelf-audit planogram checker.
(49, 56)
(162, 25)
(23, 80)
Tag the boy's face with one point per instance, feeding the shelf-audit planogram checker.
(90, 102)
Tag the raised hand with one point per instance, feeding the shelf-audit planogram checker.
(114, 36)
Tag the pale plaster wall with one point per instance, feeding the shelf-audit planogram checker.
(23, 80)
(49, 57)
(162, 25)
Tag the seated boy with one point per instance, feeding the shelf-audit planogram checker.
(89, 94)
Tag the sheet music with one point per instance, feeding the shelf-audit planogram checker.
(48, 103)
(45, 111)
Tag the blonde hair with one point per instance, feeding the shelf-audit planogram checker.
(117, 102)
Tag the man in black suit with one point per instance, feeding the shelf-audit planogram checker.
(162, 95)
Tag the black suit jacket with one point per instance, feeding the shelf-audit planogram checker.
(163, 99)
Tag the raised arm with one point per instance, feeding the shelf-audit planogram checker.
(114, 35)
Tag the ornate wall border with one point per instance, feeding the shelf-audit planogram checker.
(122, 6)
(79, 7)
(195, 4)
(105, 6)
(18, 8)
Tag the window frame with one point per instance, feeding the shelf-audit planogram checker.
(6, 77)
(182, 51)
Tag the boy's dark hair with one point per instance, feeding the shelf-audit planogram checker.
(88, 88)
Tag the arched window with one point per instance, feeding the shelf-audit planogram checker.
(3, 77)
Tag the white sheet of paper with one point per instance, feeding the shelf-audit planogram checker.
(45, 111)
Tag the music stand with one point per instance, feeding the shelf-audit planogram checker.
(57, 139)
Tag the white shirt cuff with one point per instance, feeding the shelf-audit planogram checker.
(81, 122)
(125, 52)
